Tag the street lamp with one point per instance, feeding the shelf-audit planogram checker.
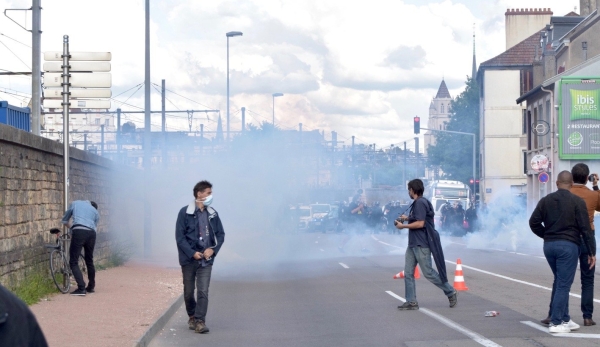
(229, 34)
(274, 96)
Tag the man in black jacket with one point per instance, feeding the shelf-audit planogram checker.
(561, 220)
(199, 235)
(18, 326)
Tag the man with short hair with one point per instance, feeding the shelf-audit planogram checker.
(199, 235)
(560, 218)
(423, 242)
(84, 223)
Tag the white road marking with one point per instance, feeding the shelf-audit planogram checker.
(473, 335)
(344, 266)
(514, 279)
(376, 239)
(544, 329)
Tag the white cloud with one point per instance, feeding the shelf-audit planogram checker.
(360, 69)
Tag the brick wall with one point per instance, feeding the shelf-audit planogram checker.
(31, 191)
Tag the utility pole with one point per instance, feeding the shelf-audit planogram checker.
(164, 125)
(36, 68)
(147, 141)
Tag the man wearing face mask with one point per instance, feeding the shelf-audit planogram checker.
(199, 235)
(423, 242)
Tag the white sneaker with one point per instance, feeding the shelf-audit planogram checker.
(561, 328)
(572, 325)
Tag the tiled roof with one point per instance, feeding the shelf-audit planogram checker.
(443, 91)
(523, 53)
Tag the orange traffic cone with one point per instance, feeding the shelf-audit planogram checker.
(401, 274)
(459, 279)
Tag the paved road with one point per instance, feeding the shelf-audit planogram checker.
(301, 290)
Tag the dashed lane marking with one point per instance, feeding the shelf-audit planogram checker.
(544, 329)
(471, 334)
(344, 266)
(514, 279)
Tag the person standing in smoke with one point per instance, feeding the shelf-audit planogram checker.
(199, 235)
(560, 218)
(423, 242)
(580, 173)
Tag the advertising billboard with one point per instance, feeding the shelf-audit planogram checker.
(579, 118)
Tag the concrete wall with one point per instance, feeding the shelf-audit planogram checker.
(522, 23)
(502, 142)
(31, 190)
(574, 54)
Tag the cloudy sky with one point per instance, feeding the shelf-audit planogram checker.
(361, 68)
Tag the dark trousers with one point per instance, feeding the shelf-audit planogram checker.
(196, 277)
(86, 239)
(587, 283)
(562, 256)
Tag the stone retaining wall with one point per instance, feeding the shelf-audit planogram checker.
(31, 191)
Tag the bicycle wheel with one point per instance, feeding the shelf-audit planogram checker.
(82, 266)
(59, 270)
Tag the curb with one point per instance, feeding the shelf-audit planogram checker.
(160, 323)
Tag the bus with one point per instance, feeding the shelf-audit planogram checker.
(441, 191)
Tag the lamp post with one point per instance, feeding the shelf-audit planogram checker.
(229, 34)
(274, 96)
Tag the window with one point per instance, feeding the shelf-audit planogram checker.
(107, 122)
(442, 108)
(440, 127)
(97, 121)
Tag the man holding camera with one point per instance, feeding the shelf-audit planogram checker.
(581, 175)
(560, 219)
(423, 242)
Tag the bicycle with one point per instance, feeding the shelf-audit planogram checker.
(59, 261)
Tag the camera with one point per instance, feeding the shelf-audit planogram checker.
(591, 177)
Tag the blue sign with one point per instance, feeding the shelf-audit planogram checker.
(543, 177)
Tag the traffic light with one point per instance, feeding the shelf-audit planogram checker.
(417, 125)
(471, 181)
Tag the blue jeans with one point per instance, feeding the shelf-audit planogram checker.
(421, 256)
(196, 277)
(562, 256)
(587, 285)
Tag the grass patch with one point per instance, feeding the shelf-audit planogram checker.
(34, 288)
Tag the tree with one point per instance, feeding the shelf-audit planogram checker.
(453, 153)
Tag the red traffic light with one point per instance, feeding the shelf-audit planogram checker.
(417, 125)
(471, 181)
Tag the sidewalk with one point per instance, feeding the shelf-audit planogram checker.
(127, 302)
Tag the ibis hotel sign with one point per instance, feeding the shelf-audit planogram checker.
(579, 118)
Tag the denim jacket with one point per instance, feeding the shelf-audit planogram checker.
(186, 234)
(83, 213)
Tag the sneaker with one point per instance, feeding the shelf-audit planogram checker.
(572, 325)
(409, 306)
(201, 327)
(561, 328)
(192, 323)
(453, 299)
(78, 292)
(89, 290)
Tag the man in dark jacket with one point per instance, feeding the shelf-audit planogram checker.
(199, 235)
(561, 219)
(18, 326)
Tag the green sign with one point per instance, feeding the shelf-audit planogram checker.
(579, 118)
(584, 104)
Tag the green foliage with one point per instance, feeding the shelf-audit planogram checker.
(453, 153)
(34, 287)
(120, 253)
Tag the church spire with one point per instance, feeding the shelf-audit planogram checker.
(474, 70)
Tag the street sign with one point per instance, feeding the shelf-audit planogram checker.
(78, 66)
(543, 177)
(91, 93)
(79, 103)
(81, 79)
(79, 56)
